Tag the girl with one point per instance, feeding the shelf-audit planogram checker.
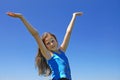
(51, 59)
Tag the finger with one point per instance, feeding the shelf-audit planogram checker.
(10, 13)
(79, 13)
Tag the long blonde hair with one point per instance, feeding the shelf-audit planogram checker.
(41, 62)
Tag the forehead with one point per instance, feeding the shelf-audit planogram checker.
(49, 37)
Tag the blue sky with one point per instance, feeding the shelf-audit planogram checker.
(94, 48)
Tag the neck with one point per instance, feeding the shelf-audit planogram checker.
(56, 51)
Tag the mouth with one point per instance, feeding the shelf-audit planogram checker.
(53, 47)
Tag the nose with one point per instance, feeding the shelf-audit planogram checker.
(51, 43)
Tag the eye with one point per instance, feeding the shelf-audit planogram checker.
(52, 41)
(48, 43)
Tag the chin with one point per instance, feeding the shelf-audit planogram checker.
(53, 50)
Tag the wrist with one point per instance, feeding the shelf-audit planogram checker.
(74, 16)
(21, 17)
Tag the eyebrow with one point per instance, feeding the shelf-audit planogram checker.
(49, 39)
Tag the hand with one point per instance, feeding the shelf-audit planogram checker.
(16, 15)
(78, 14)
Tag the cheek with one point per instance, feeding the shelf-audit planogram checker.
(48, 47)
(56, 43)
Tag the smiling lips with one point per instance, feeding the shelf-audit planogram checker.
(53, 47)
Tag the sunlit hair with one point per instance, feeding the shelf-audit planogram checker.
(41, 62)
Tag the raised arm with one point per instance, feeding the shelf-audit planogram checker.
(34, 33)
(66, 39)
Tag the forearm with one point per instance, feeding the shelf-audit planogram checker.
(31, 29)
(39, 41)
(66, 39)
(71, 24)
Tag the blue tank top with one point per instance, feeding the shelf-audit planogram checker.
(60, 66)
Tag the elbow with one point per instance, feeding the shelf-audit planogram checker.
(35, 33)
(68, 31)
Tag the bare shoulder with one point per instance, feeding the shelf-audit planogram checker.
(50, 55)
(62, 49)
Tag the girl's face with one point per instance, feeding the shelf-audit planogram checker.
(51, 43)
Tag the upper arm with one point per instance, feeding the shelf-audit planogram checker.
(42, 47)
(65, 42)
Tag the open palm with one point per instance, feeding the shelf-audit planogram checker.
(16, 15)
(78, 13)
